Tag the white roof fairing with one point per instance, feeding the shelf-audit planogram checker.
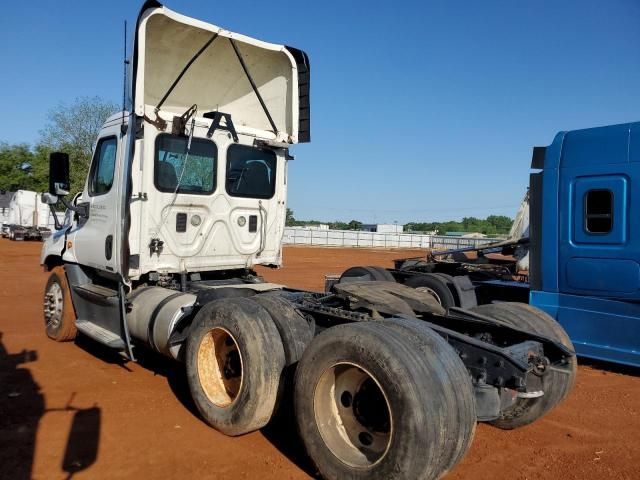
(215, 81)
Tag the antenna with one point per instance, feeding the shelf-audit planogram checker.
(123, 128)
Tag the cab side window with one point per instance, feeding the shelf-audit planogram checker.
(599, 211)
(103, 166)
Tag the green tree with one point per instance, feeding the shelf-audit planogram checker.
(73, 128)
(22, 168)
(492, 225)
(338, 226)
(354, 225)
(290, 219)
(501, 222)
(77, 124)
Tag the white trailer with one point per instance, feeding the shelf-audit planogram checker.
(28, 217)
(187, 193)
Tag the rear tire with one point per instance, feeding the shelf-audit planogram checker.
(435, 285)
(556, 385)
(295, 332)
(59, 314)
(371, 403)
(459, 393)
(234, 364)
(368, 274)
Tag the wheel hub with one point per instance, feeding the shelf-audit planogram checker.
(353, 415)
(431, 292)
(53, 304)
(220, 367)
(370, 409)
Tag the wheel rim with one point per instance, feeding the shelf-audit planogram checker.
(430, 292)
(53, 304)
(352, 414)
(220, 367)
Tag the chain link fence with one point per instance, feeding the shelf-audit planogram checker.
(350, 238)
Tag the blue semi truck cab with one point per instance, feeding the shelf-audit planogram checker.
(585, 238)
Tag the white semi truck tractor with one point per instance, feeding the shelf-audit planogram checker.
(187, 193)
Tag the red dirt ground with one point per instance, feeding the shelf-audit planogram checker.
(140, 417)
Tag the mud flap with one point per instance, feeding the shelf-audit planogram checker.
(466, 292)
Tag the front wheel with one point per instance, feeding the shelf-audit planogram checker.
(59, 315)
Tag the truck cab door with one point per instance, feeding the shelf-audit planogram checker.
(93, 239)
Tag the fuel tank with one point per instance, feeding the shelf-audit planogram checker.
(155, 313)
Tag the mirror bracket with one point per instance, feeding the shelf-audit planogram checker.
(82, 209)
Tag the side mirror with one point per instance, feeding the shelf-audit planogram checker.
(59, 173)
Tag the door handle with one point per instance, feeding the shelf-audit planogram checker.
(108, 247)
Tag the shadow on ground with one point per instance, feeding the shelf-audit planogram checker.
(281, 431)
(610, 367)
(22, 405)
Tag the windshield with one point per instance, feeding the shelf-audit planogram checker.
(251, 172)
(195, 173)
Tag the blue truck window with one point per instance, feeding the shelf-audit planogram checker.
(599, 211)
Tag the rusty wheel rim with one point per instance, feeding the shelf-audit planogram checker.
(220, 367)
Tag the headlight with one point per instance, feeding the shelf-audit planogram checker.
(196, 220)
(242, 221)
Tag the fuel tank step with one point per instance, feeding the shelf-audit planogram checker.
(100, 334)
(92, 291)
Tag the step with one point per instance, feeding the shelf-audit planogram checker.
(91, 290)
(100, 334)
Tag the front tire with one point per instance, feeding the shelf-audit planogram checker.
(59, 314)
(555, 384)
(234, 363)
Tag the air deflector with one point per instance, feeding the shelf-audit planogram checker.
(267, 87)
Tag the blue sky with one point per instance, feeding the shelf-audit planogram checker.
(421, 110)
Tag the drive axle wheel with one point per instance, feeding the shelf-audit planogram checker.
(371, 403)
(59, 315)
(435, 285)
(220, 367)
(367, 274)
(353, 415)
(458, 391)
(234, 362)
(556, 383)
(294, 329)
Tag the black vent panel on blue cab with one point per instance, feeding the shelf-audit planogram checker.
(181, 222)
